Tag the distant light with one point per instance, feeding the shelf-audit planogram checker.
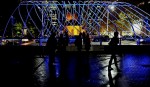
(112, 7)
(142, 3)
(137, 28)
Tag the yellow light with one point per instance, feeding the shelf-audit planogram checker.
(74, 30)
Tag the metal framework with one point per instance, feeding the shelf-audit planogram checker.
(94, 17)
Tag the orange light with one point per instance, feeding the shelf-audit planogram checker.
(70, 16)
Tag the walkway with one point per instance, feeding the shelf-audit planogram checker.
(135, 72)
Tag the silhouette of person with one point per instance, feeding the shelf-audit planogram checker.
(86, 66)
(87, 43)
(83, 36)
(113, 43)
(51, 46)
(66, 38)
(100, 38)
(61, 51)
(78, 42)
(111, 83)
(115, 40)
(79, 65)
(61, 44)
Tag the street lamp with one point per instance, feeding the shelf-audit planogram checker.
(42, 22)
(24, 30)
(112, 8)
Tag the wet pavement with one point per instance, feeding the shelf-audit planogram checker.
(135, 72)
(83, 71)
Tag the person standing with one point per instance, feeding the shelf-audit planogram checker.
(63, 59)
(66, 38)
(86, 66)
(78, 42)
(79, 63)
(87, 43)
(51, 47)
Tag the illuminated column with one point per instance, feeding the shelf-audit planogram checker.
(107, 22)
(146, 24)
(12, 23)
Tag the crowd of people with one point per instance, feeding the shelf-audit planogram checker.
(82, 40)
(59, 45)
(63, 40)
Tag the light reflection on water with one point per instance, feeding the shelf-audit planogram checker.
(135, 70)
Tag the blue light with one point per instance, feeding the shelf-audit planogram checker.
(136, 67)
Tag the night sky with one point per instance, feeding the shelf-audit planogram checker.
(6, 9)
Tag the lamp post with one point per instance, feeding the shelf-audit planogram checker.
(24, 34)
(107, 22)
(112, 8)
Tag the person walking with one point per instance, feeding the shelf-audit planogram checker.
(113, 43)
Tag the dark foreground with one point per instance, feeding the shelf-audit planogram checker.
(26, 70)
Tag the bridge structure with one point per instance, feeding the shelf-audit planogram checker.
(37, 19)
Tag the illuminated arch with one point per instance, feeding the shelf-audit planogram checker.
(91, 16)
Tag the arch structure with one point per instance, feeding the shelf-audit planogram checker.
(38, 19)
